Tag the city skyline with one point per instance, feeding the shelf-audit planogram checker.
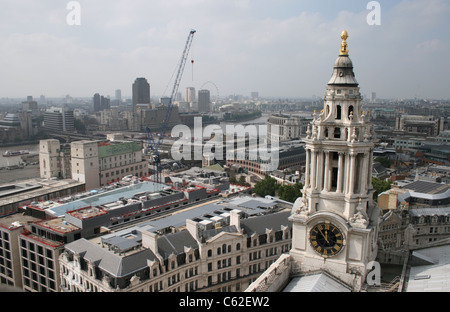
(278, 48)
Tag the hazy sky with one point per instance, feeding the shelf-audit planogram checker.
(283, 48)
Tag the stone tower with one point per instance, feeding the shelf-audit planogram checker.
(335, 222)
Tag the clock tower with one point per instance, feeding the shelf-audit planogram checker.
(335, 222)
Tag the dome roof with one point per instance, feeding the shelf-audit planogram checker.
(343, 74)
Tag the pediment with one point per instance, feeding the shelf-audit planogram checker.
(223, 237)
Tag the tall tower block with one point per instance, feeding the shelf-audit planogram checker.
(335, 222)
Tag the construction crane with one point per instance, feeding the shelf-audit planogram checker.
(154, 146)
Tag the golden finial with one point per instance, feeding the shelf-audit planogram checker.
(344, 50)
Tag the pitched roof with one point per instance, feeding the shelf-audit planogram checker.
(259, 224)
(113, 263)
(175, 243)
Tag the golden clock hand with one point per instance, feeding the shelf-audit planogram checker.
(324, 236)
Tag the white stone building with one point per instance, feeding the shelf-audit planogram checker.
(335, 223)
(224, 253)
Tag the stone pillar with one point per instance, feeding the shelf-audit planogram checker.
(340, 177)
(313, 169)
(347, 172)
(320, 170)
(370, 169)
(364, 173)
(352, 172)
(326, 183)
(308, 159)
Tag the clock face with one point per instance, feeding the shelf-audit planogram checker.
(326, 239)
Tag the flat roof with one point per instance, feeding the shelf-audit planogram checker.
(107, 197)
(200, 212)
(58, 225)
(46, 186)
(16, 220)
(87, 212)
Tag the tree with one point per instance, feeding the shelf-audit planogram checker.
(380, 186)
(268, 186)
(290, 192)
(79, 126)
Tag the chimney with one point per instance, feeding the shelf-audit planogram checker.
(235, 219)
(150, 241)
(192, 227)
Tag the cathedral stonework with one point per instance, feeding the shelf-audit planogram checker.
(335, 222)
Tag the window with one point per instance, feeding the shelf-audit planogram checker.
(337, 133)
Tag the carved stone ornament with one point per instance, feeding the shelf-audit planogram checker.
(360, 218)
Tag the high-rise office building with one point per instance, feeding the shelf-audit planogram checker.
(189, 94)
(204, 101)
(101, 102)
(96, 102)
(141, 92)
(118, 95)
(30, 105)
(59, 120)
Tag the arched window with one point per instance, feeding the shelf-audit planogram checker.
(350, 111)
(338, 112)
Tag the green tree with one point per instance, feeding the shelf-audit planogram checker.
(290, 192)
(79, 126)
(268, 186)
(380, 186)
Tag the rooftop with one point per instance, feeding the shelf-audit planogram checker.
(16, 220)
(87, 212)
(434, 276)
(104, 197)
(33, 188)
(58, 225)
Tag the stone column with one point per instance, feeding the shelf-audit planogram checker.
(370, 169)
(347, 172)
(340, 173)
(352, 172)
(326, 183)
(308, 158)
(313, 169)
(320, 170)
(364, 172)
